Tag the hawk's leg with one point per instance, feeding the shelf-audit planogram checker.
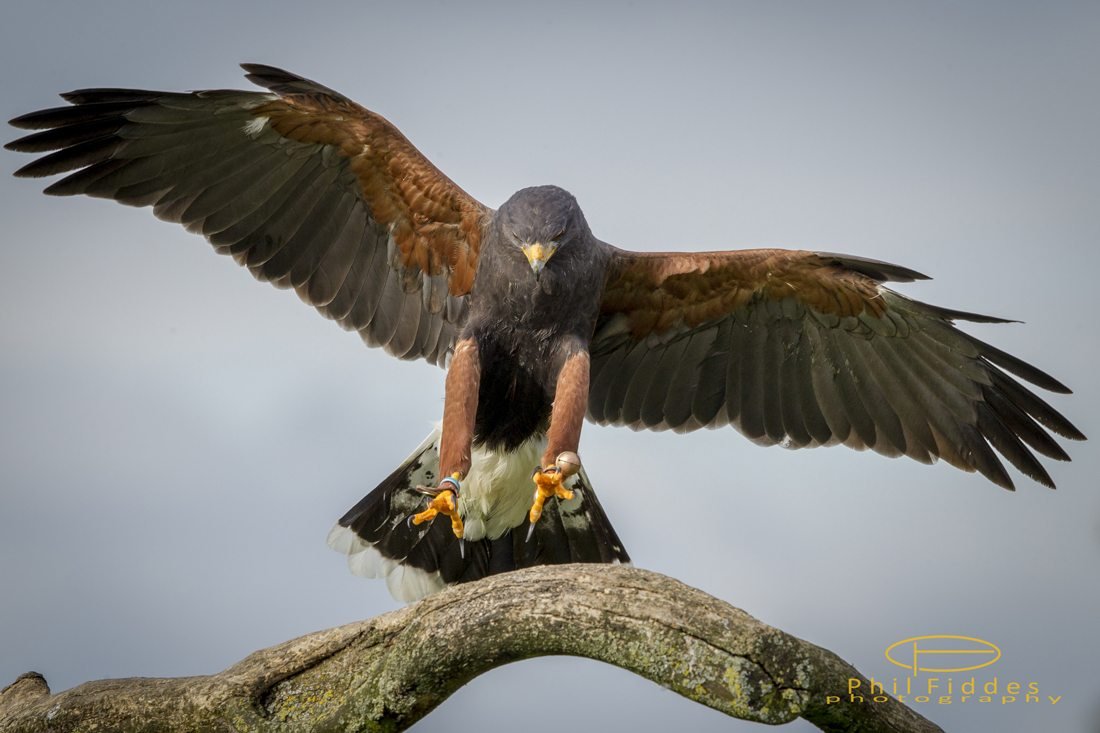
(560, 460)
(459, 411)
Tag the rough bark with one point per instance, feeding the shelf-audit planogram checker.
(385, 673)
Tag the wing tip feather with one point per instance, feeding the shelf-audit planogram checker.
(874, 269)
(284, 82)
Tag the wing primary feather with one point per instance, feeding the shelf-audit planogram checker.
(951, 314)
(1023, 425)
(71, 158)
(80, 181)
(112, 95)
(167, 170)
(63, 137)
(1010, 446)
(978, 454)
(71, 115)
(116, 177)
(1034, 406)
(1019, 367)
(957, 340)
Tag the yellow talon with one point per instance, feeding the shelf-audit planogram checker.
(443, 503)
(548, 482)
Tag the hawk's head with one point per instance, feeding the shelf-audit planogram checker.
(540, 221)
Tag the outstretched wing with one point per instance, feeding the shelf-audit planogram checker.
(805, 349)
(302, 186)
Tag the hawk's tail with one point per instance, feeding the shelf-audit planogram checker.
(416, 561)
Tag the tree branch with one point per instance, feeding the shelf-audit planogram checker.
(386, 673)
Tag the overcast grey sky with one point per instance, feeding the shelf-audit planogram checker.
(176, 439)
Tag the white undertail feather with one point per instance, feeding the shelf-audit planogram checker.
(498, 491)
(405, 583)
(495, 497)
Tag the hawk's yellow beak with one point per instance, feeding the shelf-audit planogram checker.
(538, 254)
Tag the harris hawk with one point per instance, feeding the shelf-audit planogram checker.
(539, 323)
